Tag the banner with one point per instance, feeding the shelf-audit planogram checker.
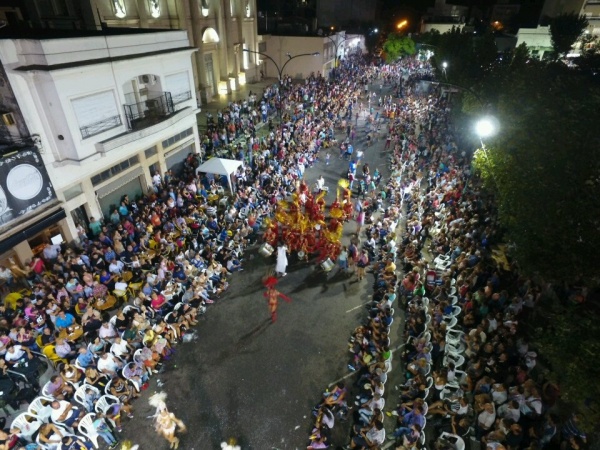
(24, 184)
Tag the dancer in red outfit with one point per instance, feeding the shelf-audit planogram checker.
(273, 295)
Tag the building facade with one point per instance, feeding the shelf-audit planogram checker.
(218, 29)
(108, 110)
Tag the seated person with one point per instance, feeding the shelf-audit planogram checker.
(58, 388)
(108, 364)
(64, 413)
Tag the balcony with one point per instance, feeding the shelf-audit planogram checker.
(149, 112)
(182, 97)
(100, 126)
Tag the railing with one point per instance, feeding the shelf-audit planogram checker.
(100, 126)
(182, 97)
(149, 112)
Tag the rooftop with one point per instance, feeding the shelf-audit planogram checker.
(42, 34)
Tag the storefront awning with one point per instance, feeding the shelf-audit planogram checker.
(8, 243)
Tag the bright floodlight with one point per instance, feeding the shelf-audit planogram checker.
(376, 30)
(485, 127)
(444, 64)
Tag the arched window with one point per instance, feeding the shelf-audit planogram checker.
(120, 8)
(154, 8)
(210, 36)
(204, 8)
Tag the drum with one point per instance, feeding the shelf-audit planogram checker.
(265, 250)
(327, 265)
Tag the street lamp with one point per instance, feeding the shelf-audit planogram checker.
(444, 67)
(280, 69)
(485, 127)
(402, 24)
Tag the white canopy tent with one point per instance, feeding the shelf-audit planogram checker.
(221, 166)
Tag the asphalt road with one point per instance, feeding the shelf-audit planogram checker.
(255, 381)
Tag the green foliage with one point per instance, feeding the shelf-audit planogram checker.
(546, 170)
(397, 46)
(565, 29)
(568, 338)
(544, 167)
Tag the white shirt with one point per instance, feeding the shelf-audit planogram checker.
(107, 364)
(56, 413)
(15, 355)
(119, 349)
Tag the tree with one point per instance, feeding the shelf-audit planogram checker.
(545, 168)
(565, 29)
(397, 46)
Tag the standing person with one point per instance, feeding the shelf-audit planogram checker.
(327, 156)
(282, 261)
(343, 259)
(363, 261)
(273, 295)
(360, 220)
(165, 422)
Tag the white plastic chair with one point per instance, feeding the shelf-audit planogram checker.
(41, 407)
(28, 425)
(79, 395)
(104, 403)
(458, 360)
(458, 442)
(45, 390)
(107, 387)
(87, 429)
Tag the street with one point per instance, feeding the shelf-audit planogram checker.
(255, 381)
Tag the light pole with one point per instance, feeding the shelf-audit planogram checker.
(280, 70)
(444, 67)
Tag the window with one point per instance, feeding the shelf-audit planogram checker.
(245, 57)
(154, 8)
(120, 8)
(8, 119)
(96, 113)
(176, 138)
(73, 192)
(204, 8)
(247, 8)
(114, 170)
(150, 152)
(178, 84)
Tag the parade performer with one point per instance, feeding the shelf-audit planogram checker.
(273, 295)
(282, 261)
(165, 422)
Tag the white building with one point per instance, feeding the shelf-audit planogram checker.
(218, 29)
(319, 52)
(538, 40)
(110, 108)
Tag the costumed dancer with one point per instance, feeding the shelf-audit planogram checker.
(165, 422)
(273, 295)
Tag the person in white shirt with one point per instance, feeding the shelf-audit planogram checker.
(372, 438)
(486, 419)
(51, 252)
(120, 348)
(64, 413)
(107, 332)
(116, 267)
(108, 364)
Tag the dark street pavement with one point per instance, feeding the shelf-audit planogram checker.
(255, 381)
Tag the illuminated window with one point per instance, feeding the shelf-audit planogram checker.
(120, 9)
(248, 11)
(154, 8)
(204, 8)
(245, 57)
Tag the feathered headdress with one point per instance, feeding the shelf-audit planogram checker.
(158, 400)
